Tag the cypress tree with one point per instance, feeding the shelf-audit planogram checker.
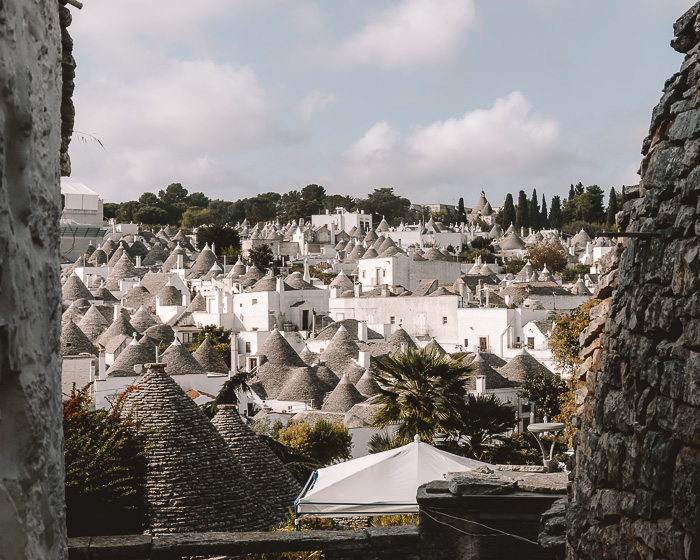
(612, 207)
(572, 192)
(555, 215)
(544, 219)
(522, 214)
(534, 213)
(461, 214)
(508, 212)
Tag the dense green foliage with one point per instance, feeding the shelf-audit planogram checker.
(105, 462)
(546, 391)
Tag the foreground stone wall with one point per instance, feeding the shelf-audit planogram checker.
(636, 483)
(32, 524)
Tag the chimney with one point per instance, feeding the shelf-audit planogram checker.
(138, 261)
(358, 289)
(335, 291)
(384, 290)
(480, 384)
(102, 366)
(362, 331)
(363, 359)
(180, 262)
(234, 353)
(488, 293)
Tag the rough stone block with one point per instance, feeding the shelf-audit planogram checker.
(482, 485)
(686, 489)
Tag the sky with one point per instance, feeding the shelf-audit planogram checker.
(435, 98)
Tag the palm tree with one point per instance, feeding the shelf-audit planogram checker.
(482, 418)
(422, 391)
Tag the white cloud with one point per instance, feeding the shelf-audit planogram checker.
(412, 33)
(315, 102)
(508, 142)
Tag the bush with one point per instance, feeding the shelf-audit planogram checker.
(325, 443)
(105, 459)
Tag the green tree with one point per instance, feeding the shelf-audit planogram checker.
(109, 210)
(261, 257)
(327, 443)
(333, 201)
(481, 419)
(151, 215)
(546, 390)
(198, 199)
(383, 202)
(125, 214)
(522, 212)
(461, 212)
(222, 237)
(148, 199)
(544, 219)
(556, 219)
(105, 465)
(508, 212)
(173, 194)
(422, 391)
(550, 253)
(534, 212)
(312, 197)
(612, 207)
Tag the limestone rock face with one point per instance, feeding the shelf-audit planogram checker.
(32, 520)
(636, 472)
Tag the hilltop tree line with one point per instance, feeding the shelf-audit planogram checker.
(584, 207)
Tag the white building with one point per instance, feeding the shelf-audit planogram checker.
(343, 220)
(81, 220)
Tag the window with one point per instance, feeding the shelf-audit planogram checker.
(363, 274)
(466, 344)
(392, 319)
(383, 273)
(531, 342)
(247, 347)
(444, 320)
(255, 301)
(483, 344)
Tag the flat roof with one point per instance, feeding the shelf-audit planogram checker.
(76, 188)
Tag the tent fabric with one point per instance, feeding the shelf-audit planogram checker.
(380, 484)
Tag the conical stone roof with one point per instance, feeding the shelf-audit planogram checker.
(169, 295)
(204, 261)
(194, 482)
(343, 281)
(155, 256)
(119, 326)
(142, 320)
(520, 366)
(253, 273)
(73, 340)
(162, 334)
(341, 352)
(494, 380)
(303, 385)
(434, 346)
(74, 289)
(109, 247)
(98, 258)
(264, 469)
(309, 357)
(278, 351)
(401, 337)
(139, 296)
(123, 269)
(367, 385)
(198, 303)
(178, 361)
(329, 378)
(93, 323)
(210, 360)
(343, 397)
(116, 255)
(104, 295)
(132, 355)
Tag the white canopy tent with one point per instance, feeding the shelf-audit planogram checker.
(380, 484)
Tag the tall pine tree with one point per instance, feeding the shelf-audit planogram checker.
(508, 212)
(572, 192)
(612, 207)
(534, 213)
(522, 212)
(556, 220)
(544, 219)
(461, 214)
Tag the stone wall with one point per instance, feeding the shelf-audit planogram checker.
(32, 524)
(636, 481)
